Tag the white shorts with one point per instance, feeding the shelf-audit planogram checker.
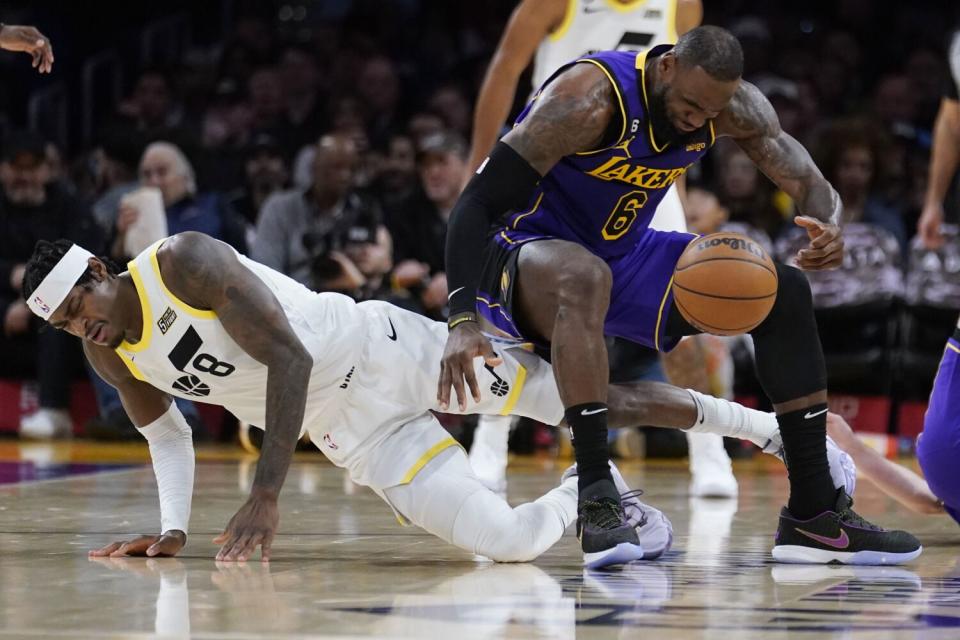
(383, 431)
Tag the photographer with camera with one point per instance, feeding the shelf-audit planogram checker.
(328, 237)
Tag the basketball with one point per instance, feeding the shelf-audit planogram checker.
(724, 284)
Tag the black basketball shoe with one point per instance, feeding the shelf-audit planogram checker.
(605, 534)
(841, 536)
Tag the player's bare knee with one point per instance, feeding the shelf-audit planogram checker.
(583, 287)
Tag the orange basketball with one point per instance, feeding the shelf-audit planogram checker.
(724, 284)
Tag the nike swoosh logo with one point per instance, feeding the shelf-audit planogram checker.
(809, 415)
(455, 292)
(393, 334)
(840, 542)
(586, 412)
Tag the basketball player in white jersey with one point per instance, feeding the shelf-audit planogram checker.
(551, 33)
(193, 318)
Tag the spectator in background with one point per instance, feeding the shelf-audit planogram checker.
(34, 208)
(423, 124)
(380, 94)
(453, 107)
(397, 178)
(301, 79)
(152, 108)
(849, 155)
(749, 196)
(114, 173)
(329, 236)
(165, 167)
(419, 226)
(895, 104)
(265, 173)
(269, 108)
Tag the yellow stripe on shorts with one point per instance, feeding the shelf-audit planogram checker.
(515, 392)
(431, 453)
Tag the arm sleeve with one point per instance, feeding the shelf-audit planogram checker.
(503, 182)
(171, 449)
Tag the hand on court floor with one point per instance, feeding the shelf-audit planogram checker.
(29, 40)
(825, 250)
(166, 544)
(464, 343)
(254, 524)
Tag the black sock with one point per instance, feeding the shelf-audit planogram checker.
(804, 435)
(588, 432)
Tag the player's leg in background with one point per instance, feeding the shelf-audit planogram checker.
(488, 453)
(937, 448)
(687, 366)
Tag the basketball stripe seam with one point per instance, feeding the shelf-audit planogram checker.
(713, 295)
(703, 326)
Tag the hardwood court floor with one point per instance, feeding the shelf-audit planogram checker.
(343, 567)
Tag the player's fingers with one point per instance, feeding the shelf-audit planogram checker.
(471, 375)
(250, 547)
(105, 551)
(825, 238)
(443, 387)
(239, 551)
(457, 373)
(265, 546)
(220, 539)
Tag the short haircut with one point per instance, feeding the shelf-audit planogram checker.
(714, 49)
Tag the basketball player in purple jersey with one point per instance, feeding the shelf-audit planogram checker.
(565, 200)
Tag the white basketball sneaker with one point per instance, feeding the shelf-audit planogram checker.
(46, 424)
(710, 469)
(843, 469)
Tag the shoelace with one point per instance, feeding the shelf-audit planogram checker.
(636, 493)
(851, 517)
(604, 513)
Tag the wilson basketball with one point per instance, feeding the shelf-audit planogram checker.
(724, 284)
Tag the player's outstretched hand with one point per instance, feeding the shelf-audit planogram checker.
(253, 525)
(464, 343)
(825, 250)
(29, 40)
(164, 545)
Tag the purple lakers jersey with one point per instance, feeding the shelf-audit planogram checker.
(605, 199)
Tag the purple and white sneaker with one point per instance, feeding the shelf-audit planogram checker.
(841, 536)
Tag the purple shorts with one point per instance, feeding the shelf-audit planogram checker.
(640, 299)
(938, 447)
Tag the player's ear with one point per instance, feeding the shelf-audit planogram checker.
(97, 269)
(667, 66)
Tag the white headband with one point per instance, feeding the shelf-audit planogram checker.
(55, 287)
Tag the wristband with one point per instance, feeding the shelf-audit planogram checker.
(460, 318)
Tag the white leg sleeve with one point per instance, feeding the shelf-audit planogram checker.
(725, 418)
(448, 500)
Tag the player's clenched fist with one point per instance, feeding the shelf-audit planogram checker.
(464, 343)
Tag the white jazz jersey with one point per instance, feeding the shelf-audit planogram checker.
(603, 25)
(374, 377)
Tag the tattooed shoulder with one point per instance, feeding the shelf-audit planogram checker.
(193, 267)
(749, 115)
(571, 115)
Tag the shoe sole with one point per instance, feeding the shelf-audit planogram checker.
(796, 554)
(621, 554)
(656, 553)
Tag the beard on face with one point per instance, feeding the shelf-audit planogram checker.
(663, 130)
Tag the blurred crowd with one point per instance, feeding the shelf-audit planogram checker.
(334, 151)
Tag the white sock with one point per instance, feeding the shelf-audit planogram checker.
(725, 418)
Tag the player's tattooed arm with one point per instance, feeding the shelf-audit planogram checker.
(207, 274)
(753, 124)
(570, 116)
